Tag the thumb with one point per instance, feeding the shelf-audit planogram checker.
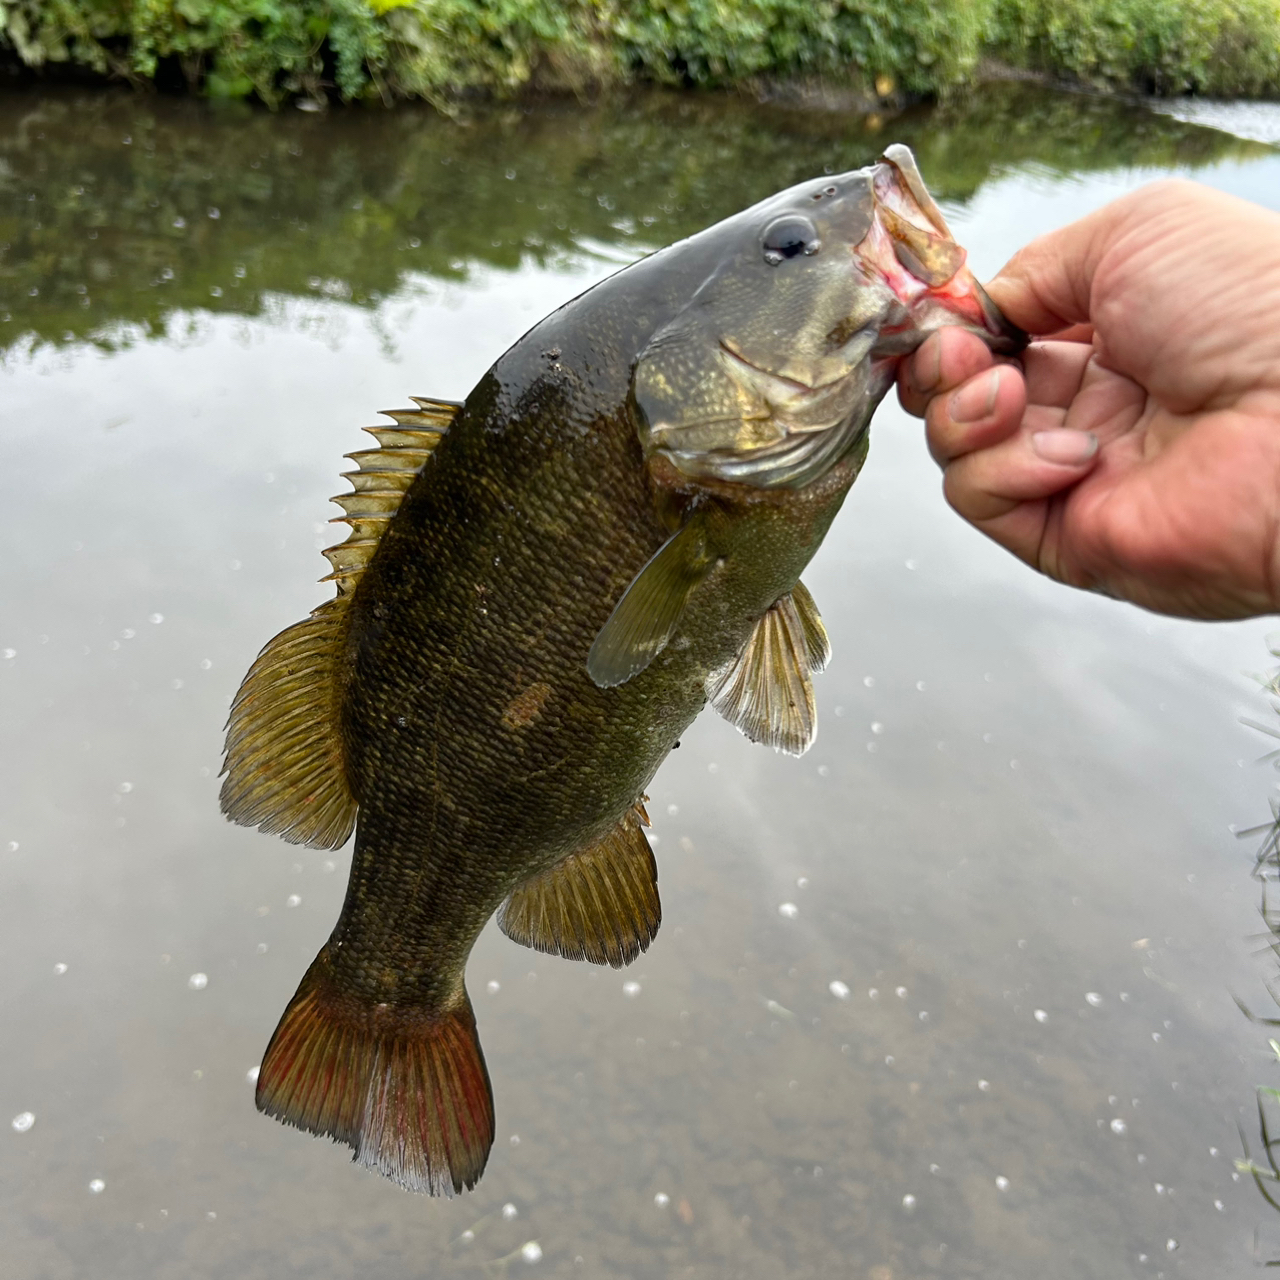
(1046, 286)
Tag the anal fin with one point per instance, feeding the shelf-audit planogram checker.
(766, 692)
(599, 904)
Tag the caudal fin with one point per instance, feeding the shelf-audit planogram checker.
(407, 1090)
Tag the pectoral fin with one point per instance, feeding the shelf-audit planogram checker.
(766, 692)
(600, 904)
(644, 619)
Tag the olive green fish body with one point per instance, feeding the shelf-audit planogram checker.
(478, 747)
(541, 589)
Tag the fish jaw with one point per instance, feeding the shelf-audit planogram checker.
(909, 249)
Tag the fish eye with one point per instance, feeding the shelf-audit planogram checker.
(789, 237)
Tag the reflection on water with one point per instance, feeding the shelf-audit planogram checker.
(118, 210)
(950, 996)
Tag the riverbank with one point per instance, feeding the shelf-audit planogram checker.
(316, 52)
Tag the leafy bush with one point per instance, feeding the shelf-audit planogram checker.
(1214, 47)
(434, 48)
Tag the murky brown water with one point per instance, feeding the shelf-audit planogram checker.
(1010, 844)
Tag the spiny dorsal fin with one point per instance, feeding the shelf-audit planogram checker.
(600, 904)
(645, 617)
(766, 692)
(285, 767)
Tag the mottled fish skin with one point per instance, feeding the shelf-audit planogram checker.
(481, 749)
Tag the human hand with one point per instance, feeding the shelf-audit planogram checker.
(1136, 451)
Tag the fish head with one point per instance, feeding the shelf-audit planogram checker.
(770, 373)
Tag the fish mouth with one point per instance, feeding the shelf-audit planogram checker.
(910, 250)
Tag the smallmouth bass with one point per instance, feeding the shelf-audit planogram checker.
(541, 589)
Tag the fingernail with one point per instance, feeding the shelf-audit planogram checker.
(975, 400)
(1066, 448)
(925, 370)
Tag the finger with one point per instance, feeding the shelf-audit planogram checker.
(979, 414)
(1055, 371)
(991, 483)
(944, 360)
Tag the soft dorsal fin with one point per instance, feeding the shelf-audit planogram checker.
(766, 691)
(645, 617)
(600, 904)
(285, 771)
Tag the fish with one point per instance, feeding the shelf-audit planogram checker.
(541, 588)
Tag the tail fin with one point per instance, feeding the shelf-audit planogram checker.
(407, 1089)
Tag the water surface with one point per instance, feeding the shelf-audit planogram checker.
(1008, 851)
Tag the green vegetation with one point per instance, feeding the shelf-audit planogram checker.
(442, 49)
(1222, 48)
(119, 211)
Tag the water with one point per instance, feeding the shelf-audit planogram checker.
(951, 996)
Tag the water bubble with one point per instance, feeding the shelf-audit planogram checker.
(631, 990)
(900, 992)
(97, 1187)
(211, 1216)
(1041, 1016)
(251, 1076)
(23, 1121)
(415, 243)
(531, 1252)
(873, 993)
(205, 664)
(838, 989)
(1170, 1245)
(1155, 1035)
(802, 882)
(1119, 1126)
(788, 910)
(60, 968)
(1159, 1188)
(868, 681)
(493, 986)
(467, 1236)
(1002, 1183)
(176, 683)
(515, 1139)
(13, 846)
(662, 1199)
(509, 1211)
(124, 788)
(214, 212)
(672, 810)
(984, 1085)
(156, 619)
(1217, 1204)
(293, 900)
(1093, 998)
(198, 981)
(1213, 1151)
(877, 727)
(908, 1201)
(924, 1015)
(179, 223)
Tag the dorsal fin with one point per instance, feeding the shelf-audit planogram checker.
(285, 767)
(599, 904)
(766, 692)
